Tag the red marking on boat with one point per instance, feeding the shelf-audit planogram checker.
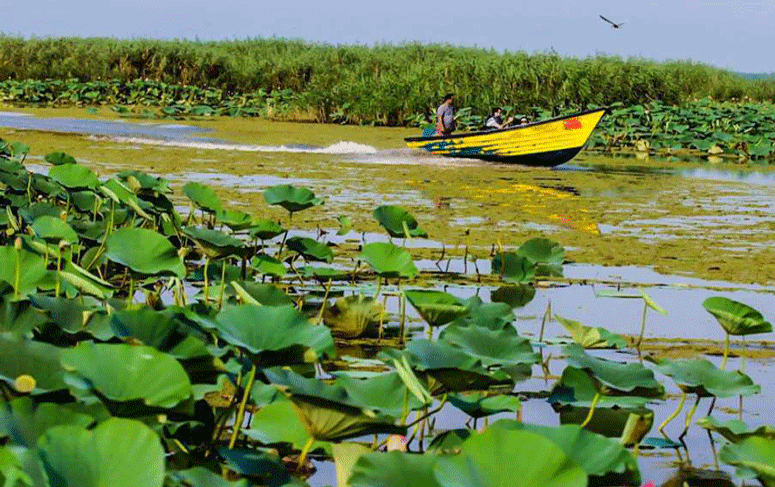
(572, 123)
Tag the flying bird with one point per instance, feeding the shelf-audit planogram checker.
(614, 24)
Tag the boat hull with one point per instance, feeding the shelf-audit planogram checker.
(546, 143)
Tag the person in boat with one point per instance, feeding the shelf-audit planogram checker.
(495, 121)
(445, 116)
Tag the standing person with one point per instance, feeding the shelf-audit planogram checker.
(445, 116)
(495, 121)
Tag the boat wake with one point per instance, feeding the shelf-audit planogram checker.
(343, 147)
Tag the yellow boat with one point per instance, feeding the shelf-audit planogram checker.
(546, 143)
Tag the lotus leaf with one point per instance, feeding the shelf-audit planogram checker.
(20, 356)
(325, 274)
(628, 424)
(201, 477)
(265, 264)
(119, 193)
(18, 317)
(702, 377)
(389, 260)
(267, 468)
(213, 243)
(291, 198)
(736, 318)
(394, 469)
(494, 348)
(631, 379)
(144, 251)
(345, 225)
(479, 405)
(437, 308)
(279, 423)
(597, 455)
(23, 422)
(266, 229)
(264, 294)
(514, 296)
(328, 412)
(35, 210)
(752, 454)
(311, 249)
(203, 197)
(735, 430)
(159, 330)
(589, 337)
(73, 176)
(52, 230)
(449, 441)
(125, 373)
(353, 316)
(12, 470)
(72, 316)
(398, 222)
(274, 334)
(531, 459)
(513, 267)
(77, 457)
(33, 270)
(236, 220)
(542, 251)
(385, 392)
(140, 181)
(495, 316)
(59, 158)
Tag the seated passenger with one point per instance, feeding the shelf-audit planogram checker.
(495, 121)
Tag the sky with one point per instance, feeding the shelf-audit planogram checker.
(736, 35)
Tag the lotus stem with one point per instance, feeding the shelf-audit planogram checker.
(547, 316)
(17, 245)
(405, 409)
(282, 244)
(223, 284)
(59, 270)
(743, 356)
(689, 417)
(304, 451)
(726, 353)
(241, 411)
(131, 296)
(402, 306)
(740, 411)
(642, 325)
(592, 407)
(429, 413)
(207, 280)
(325, 301)
(673, 415)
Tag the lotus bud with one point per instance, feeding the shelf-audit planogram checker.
(396, 443)
(17, 244)
(63, 244)
(63, 216)
(9, 232)
(183, 252)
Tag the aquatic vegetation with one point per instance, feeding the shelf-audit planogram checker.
(107, 331)
(736, 319)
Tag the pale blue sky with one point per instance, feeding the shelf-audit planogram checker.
(736, 35)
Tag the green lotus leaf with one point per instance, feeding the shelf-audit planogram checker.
(20, 356)
(35, 210)
(23, 422)
(628, 424)
(480, 405)
(325, 274)
(274, 334)
(437, 308)
(449, 441)
(589, 337)
(353, 316)
(144, 251)
(111, 454)
(345, 225)
(279, 423)
(264, 294)
(702, 377)
(73, 176)
(291, 198)
(531, 459)
(597, 455)
(735, 430)
(394, 469)
(236, 220)
(515, 296)
(753, 454)
(203, 197)
(264, 467)
(499, 348)
(542, 251)
(311, 249)
(33, 269)
(18, 317)
(576, 387)
(126, 373)
(85, 201)
(513, 267)
(328, 412)
(59, 158)
(398, 222)
(213, 243)
(86, 282)
(389, 260)
(736, 318)
(495, 316)
(12, 469)
(630, 379)
(201, 477)
(140, 181)
(265, 229)
(52, 230)
(122, 195)
(385, 392)
(267, 265)
(157, 329)
(72, 316)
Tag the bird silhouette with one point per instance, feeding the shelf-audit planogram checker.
(614, 24)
